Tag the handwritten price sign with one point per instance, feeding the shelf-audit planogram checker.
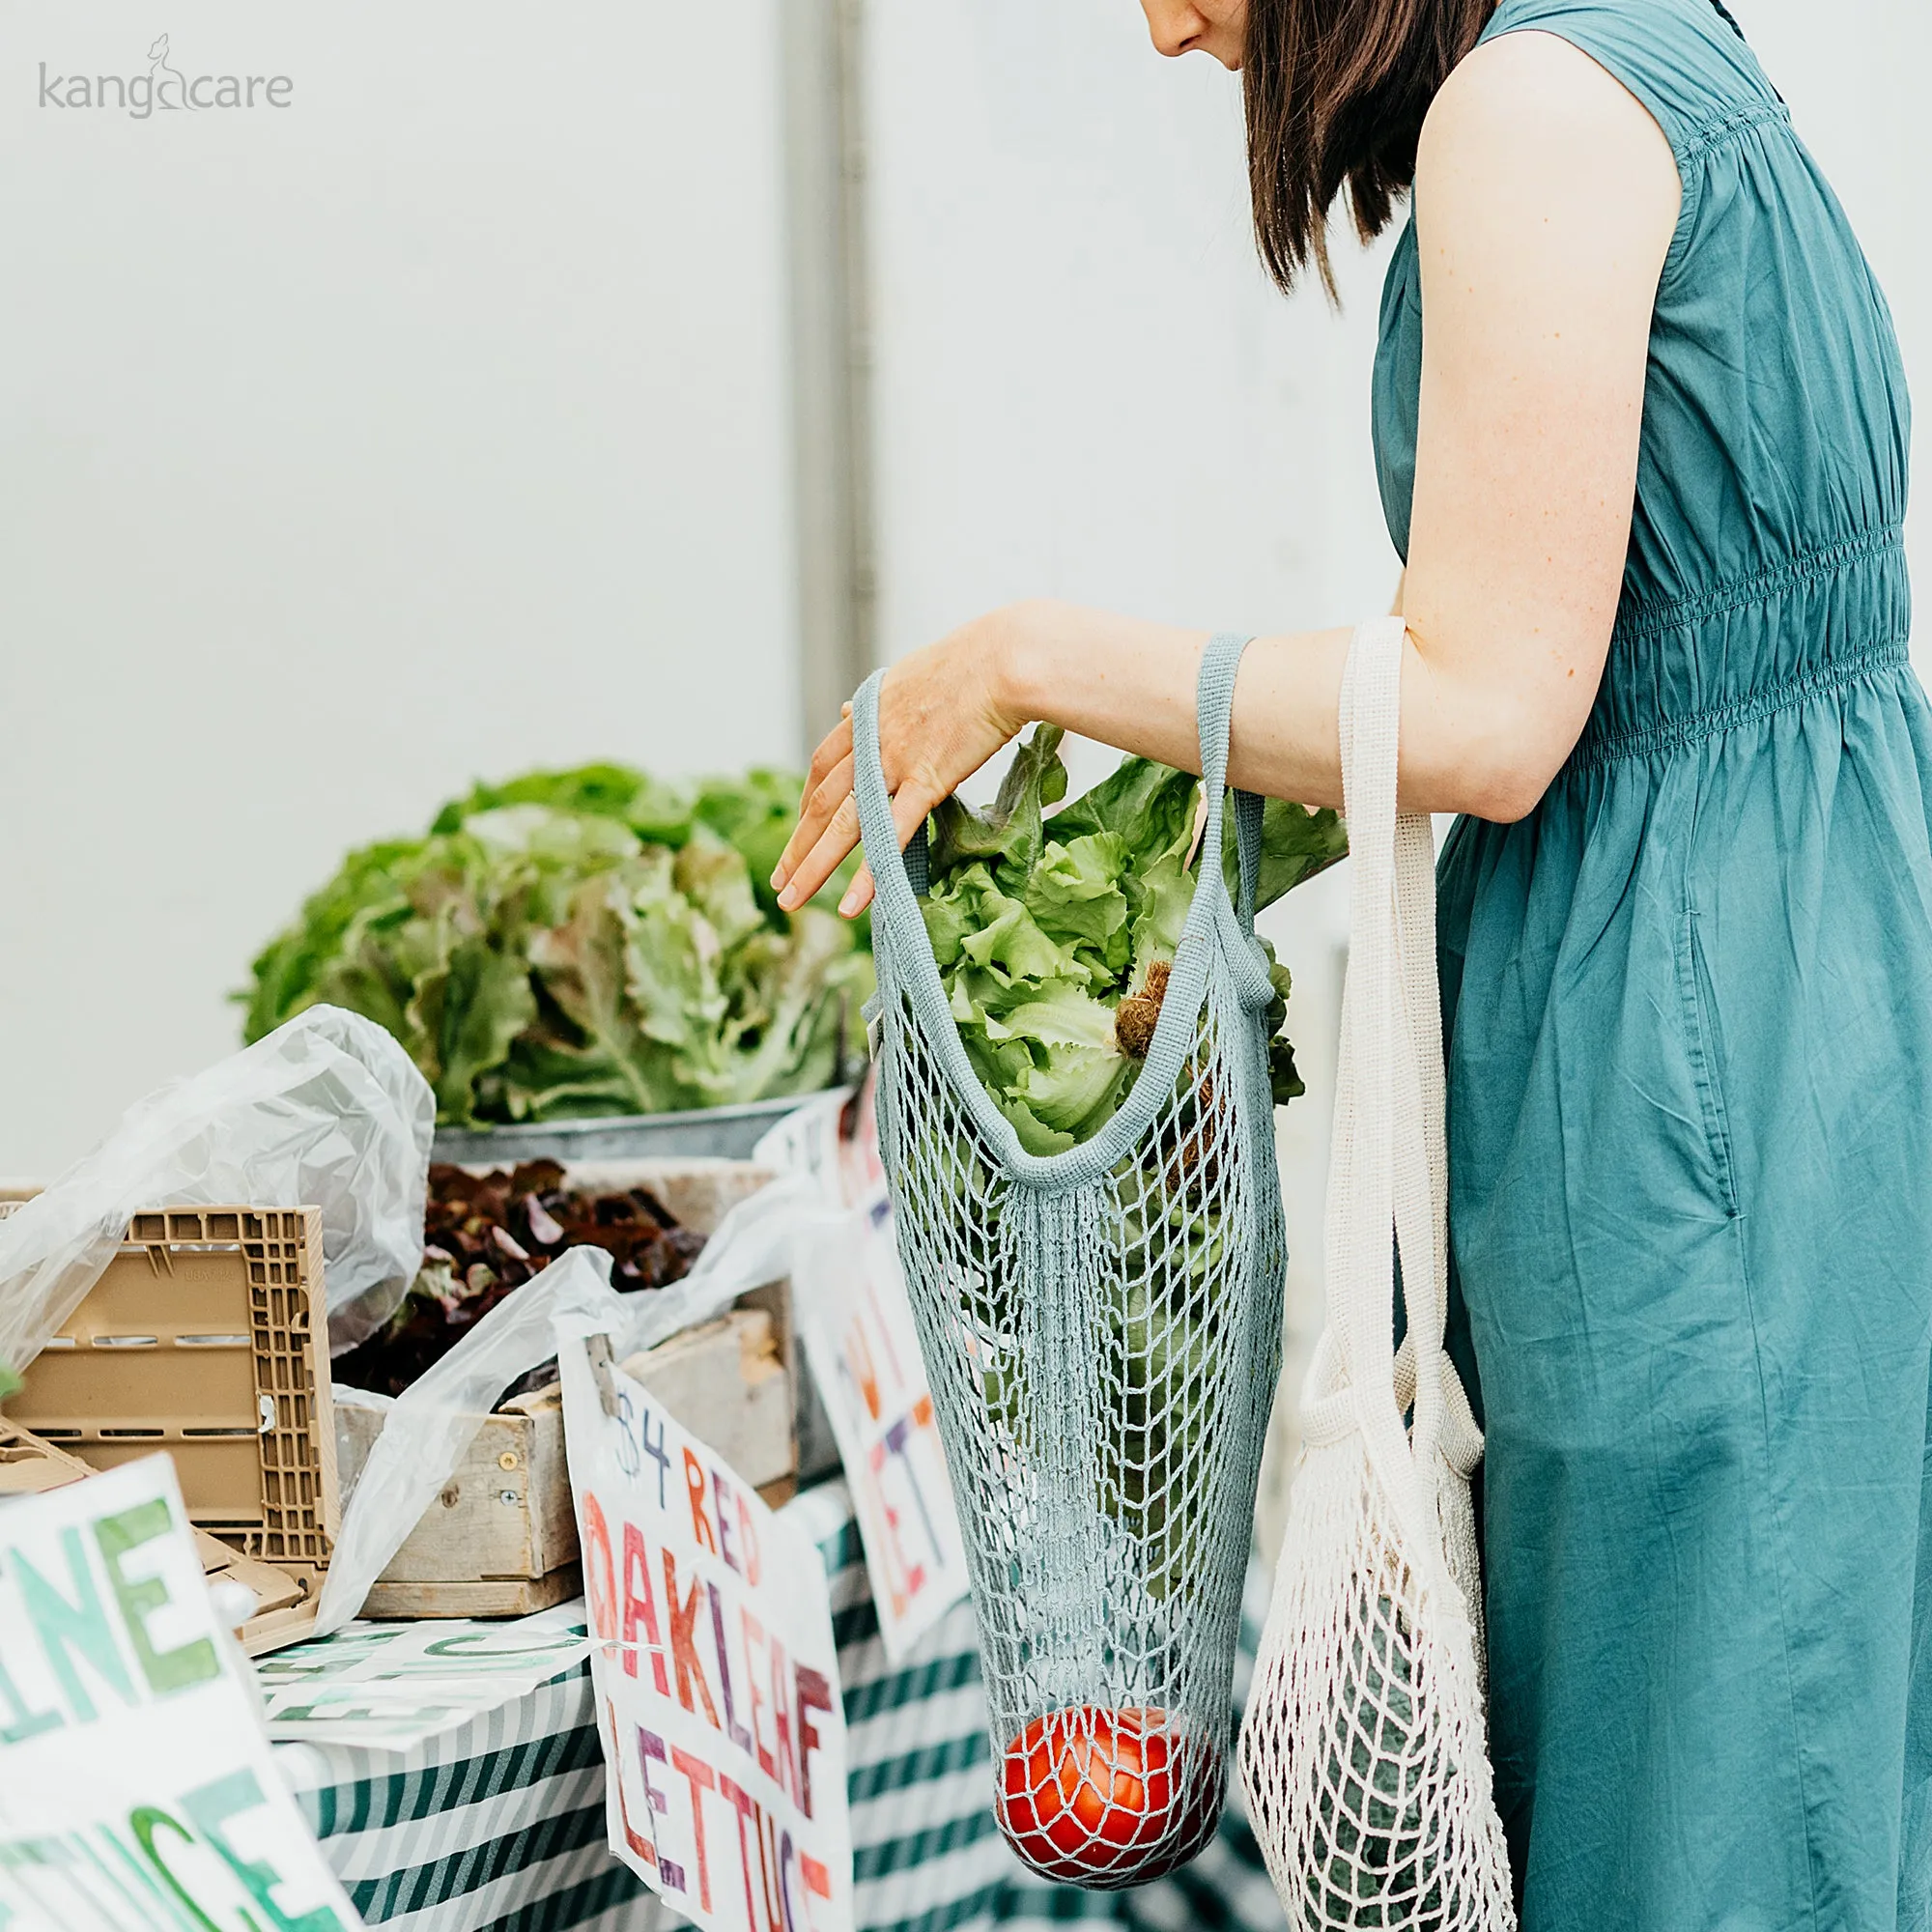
(859, 1337)
(715, 1670)
(849, 1297)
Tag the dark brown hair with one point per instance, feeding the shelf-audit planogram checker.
(1336, 91)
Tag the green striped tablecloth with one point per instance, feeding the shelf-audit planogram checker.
(499, 1826)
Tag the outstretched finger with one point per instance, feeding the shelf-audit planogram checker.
(834, 750)
(837, 744)
(858, 895)
(827, 853)
(816, 812)
(910, 806)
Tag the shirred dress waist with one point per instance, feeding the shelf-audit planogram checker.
(1683, 671)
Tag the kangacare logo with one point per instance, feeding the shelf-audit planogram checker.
(164, 86)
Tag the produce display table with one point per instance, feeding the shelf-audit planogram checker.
(498, 1825)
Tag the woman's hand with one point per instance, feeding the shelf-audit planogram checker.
(943, 712)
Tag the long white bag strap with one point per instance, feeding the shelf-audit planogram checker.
(1389, 1164)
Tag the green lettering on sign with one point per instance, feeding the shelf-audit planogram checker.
(169, 1670)
(210, 1805)
(146, 1899)
(81, 1624)
(24, 1723)
(144, 1823)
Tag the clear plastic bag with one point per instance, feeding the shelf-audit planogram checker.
(431, 1424)
(327, 1111)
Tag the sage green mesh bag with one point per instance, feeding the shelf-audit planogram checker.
(1102, 1333)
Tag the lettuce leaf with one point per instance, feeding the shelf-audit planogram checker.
(1042, 922)
(1076, 898)
(1297, 843)
(659, 812)
(1008, 837)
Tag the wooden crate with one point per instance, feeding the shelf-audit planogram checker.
(500, 1539)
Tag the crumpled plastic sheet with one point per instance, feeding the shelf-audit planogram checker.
(435, 1418)
(327, 1111)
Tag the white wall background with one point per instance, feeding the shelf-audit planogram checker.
(1083, 385)
(434, 427)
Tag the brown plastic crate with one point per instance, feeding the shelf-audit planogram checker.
(200, 1338)
(284, 1609)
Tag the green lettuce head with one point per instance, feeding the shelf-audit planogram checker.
(1052, 931)
(582, 943)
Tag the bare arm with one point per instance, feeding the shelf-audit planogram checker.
(1546, 199)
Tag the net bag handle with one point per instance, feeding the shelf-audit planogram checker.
(1390, 1166)
(1214, 719)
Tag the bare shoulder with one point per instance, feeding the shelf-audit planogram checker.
(1533, 118)
(1540, 176)
(1535, 85)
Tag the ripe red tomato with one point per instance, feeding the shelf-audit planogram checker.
(1087, 1792)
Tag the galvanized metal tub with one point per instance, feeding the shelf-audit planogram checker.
(729, 1134)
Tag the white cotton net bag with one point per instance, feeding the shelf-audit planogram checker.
(1364, 1752)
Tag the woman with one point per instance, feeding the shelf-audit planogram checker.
(1641, 429)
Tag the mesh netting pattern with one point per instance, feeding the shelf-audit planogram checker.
(1102, 1333)
(1363, 1757)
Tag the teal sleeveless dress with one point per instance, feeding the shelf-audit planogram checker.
(1689, 1009)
